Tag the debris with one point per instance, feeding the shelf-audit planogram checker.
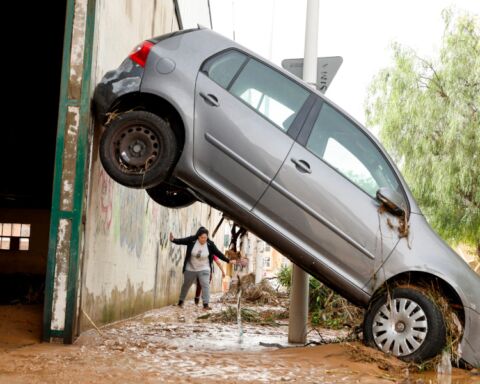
(261, 293)
(91, 322)
(270, 345)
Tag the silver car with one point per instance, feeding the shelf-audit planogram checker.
(193, 116)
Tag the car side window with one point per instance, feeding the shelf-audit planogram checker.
(340, 143)
(222, 68)
(270, 93)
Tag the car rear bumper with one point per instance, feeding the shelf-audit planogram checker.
(121, 81)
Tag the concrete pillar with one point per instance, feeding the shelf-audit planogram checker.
(297, 326)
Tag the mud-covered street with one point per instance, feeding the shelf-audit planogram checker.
(189, 345)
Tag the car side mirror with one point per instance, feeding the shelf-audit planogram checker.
(392, 200)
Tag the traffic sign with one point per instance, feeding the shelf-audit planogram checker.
(327, 68)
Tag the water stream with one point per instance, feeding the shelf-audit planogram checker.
(239, 317)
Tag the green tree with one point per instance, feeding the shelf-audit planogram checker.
(428, 115)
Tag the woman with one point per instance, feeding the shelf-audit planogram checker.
(198, 263)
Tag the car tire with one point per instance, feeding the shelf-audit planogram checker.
(171, 196)
(138, 149)
(414, 331)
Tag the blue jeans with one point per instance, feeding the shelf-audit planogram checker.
(190, 277)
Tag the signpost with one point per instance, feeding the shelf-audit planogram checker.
(327, 68)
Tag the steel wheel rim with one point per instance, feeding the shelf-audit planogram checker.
(135, 149)
(400, 327)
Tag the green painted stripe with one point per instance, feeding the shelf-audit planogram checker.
(56, 333)
(66, 214)
(80, 176)
(54, 218)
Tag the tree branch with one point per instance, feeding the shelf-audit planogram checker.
(436, 79)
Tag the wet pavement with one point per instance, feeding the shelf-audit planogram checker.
(172, 345)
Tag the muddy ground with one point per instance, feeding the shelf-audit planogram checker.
(172, 345)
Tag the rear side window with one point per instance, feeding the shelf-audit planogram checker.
(267, 91)
(271, 94)
(222, 68)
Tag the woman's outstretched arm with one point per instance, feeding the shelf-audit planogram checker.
(180, 241)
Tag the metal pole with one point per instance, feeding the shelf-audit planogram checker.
(297, 326)
(311, 43)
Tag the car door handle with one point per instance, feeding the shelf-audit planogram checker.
(210, 99)
(302, 165)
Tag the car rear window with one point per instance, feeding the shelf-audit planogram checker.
(222, 68)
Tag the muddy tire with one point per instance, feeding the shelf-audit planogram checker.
(413, 331)
(171, 196)
(138, 149)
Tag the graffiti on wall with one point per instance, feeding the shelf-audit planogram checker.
(175, 254)
(105, 202)
(131, 212)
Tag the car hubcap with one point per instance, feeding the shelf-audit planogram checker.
(400, 327)
(136, 149)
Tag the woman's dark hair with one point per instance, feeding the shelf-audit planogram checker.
(201, 231)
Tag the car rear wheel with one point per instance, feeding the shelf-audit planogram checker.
(171, 196)
(407, 324)
(138, 149)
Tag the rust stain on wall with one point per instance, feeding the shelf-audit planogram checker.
(76, 53)
(69, 159)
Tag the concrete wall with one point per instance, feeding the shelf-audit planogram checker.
(194, 12)
(128, 264)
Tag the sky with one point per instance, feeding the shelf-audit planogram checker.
(362, 32)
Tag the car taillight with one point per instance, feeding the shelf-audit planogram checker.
(140, 53)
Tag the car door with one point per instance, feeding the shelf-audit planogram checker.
(245, 112)
(323, 197)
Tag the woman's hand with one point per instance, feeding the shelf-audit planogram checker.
(223, 274)
(233, 261)
(171, 237)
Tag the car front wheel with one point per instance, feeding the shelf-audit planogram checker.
(138, 149)
(407, 324)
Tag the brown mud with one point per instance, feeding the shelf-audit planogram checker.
(171, 345)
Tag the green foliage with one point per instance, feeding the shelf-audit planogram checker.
(428, 115)
(327, 308)
(284, 277)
